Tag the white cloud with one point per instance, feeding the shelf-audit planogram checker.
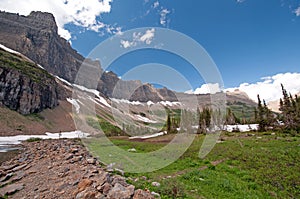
(297, 12)
(155, 4)
(163, 16)
(148, 36)
(126, 44)
(139, 37)
(270, 87)
(80, 13)
(240, 1)
(209, 88)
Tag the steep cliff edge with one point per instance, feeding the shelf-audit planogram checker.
(36, 37)
(24, 87)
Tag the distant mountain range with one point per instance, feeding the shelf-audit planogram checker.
(39, 76)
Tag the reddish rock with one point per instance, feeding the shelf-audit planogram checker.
(84, 184)
(140, 194)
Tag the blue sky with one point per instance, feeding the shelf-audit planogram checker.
(247, 39)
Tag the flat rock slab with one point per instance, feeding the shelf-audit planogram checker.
(11, 189)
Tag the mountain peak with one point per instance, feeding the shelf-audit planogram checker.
(42, 15)
(238, 92)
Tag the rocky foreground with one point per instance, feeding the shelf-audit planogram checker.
(61, 169)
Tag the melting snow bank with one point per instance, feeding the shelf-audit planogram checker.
(149, 136)
(230, 128)
(118, 101)
(241, 128)
(74, 103)
(9, 50)
(167, 103)
(7, 142)
(144, 119)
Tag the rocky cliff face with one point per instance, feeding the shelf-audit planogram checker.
(36, 37)
(111, 86)
(24, 87)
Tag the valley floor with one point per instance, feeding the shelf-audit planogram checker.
(242, 165)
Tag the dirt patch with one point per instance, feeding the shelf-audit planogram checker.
(50, 120)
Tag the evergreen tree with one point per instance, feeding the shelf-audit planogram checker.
(204, 122)
(230, 117)
(255, 115)
(261, 115)
(290, 110)
(168, 123)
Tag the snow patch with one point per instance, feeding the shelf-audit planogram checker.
(149, 103)
(9, 50)
(144, 119)
(40, 66)
(127, 102)
(95, 92)
(75, 104)
(103, 101)
(241, 128)
(7, 141)
(149, 136)
(64, 81)
(168, 103)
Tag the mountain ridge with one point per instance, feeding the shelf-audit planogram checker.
(36, 37)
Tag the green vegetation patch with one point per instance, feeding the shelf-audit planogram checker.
(33, 139)
(243, 166)
(101, 124)
(29, 69)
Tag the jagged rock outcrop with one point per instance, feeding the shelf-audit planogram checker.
(111, 86)
(36, 37)
(167, 94)
(146, 92)
(24, 87)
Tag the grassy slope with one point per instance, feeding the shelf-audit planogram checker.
(251, 168)
(27, 68)
(242, 110)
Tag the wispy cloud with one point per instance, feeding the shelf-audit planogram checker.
(163, 16)
(139, 37)
(81, 13)
(157, 8)
(155, 4)
(297, 11)
(240, 1)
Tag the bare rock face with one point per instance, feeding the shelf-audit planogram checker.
(145, 93)
(24, 87)
(111, 86)
(36, 37)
